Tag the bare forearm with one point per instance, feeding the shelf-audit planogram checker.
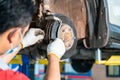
(53, 70)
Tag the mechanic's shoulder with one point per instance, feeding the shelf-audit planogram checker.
(12, 75)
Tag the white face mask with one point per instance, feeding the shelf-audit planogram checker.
(12, 50)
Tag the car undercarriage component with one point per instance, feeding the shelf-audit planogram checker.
(54, 26)
(98, 31)
(59, 26)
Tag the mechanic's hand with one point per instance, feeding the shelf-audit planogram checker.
(33, 36)
(57, 48)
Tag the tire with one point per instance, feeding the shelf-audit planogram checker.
(82, 66)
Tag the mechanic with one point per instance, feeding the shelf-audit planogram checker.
(15, 18)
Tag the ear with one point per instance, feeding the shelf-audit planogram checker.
(14, 35)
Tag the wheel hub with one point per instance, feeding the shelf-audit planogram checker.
(65, 32)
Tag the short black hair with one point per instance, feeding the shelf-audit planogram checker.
(15, 13)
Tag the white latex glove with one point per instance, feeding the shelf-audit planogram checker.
(33, 36)
(57, 48)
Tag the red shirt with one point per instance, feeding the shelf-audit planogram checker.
(12, 75)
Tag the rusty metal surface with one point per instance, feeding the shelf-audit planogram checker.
(65, 32)
(75, 10)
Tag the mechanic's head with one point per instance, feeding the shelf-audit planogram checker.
(15, 18)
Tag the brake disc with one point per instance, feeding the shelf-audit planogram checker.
(60, 26)
(66, 33)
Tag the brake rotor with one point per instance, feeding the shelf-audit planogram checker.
(66, 33)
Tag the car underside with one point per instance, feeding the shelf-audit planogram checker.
(83, 25)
